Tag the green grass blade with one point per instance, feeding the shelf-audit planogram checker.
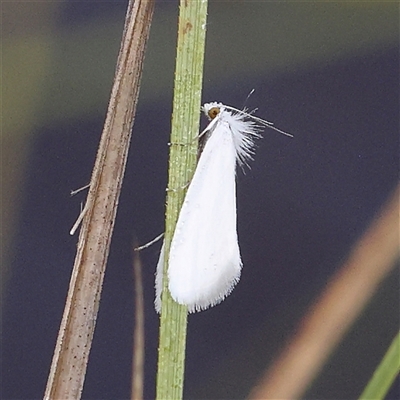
(385, 374)
(182, 163)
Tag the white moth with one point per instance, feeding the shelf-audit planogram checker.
(204, 262)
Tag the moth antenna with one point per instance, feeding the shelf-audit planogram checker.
(248, 96)
(264, 122)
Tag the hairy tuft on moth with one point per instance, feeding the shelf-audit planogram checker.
(204, 262)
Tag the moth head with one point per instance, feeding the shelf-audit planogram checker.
(212, 110)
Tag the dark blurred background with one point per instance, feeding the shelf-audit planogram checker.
(326, 72)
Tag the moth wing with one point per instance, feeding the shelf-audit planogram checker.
(204, 259)
(159, 279)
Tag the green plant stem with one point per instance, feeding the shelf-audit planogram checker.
(385, 374)
(182, 163)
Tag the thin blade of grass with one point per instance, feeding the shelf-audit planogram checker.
(385, 373)
(182, 162)
(68, 369)
(370, 261)
(138, 333)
